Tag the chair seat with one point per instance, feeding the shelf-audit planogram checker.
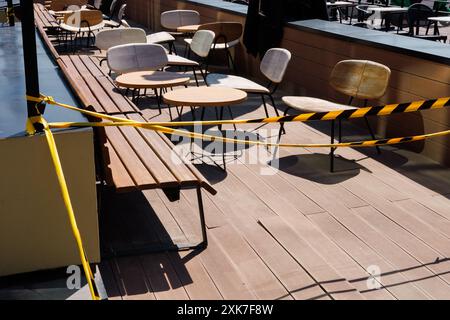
(175, 60)
(308, 104)
(230, 81)
(160, 37)
(112, 23)
(84, 29)
(219, 46)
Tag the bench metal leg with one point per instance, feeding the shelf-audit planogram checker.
(332, 149)
(170, 247)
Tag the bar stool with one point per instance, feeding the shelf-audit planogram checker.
(360, 79)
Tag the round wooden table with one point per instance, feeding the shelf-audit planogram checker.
(151, 80)
(205, 97)
(188, 29)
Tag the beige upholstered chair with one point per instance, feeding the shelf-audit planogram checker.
(201, 46)
(273, 66)
(360, 79)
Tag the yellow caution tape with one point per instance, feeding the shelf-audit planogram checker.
(319, 116)
(67, 202)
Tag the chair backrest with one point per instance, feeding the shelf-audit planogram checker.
(274, 64)
(225, 31)
(112, 7)
(121, 12)
(176, 18)
(417, 16)
(360, 79)
(83, 18)
(106, 39)
(136, 57)
(202, 42)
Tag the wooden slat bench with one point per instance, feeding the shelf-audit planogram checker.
(132, 159)
(44, 18)
(97, 88)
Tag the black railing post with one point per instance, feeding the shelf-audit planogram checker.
(10, 11)
(29, 55)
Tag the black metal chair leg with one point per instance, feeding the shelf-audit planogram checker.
(372, 133)
(195, 76)
(265, 105)
(276, 112)
(231, 115)
(158, 101)
(332, 150)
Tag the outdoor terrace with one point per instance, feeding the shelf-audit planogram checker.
(285, 229)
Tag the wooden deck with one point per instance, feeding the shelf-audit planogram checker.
(299, 232)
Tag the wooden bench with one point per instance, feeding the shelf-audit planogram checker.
(132, 159)
(43, 18)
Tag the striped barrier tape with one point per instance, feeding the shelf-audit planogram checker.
(304, 117)
(332, 115)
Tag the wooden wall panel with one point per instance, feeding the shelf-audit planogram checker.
(314, 56)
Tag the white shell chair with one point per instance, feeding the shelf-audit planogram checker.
(106, 39)
(136, 57)
(171, 20)
(273, 66)
(201, 46)
(116, 23)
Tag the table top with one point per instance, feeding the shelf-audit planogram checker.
(205, 97)
(341, 4)
(151, 79)
(189, 28)
(388, 9)
(440, 19)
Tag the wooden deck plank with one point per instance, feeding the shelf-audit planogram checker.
(432, 260)
(338, 259)
(131, 279)
(418, 228)
(317, 267)
(395, 282)
(426, 215)
(193, 276)
(162, 277)
(168, 230)
(287, 270)
(258, 277)
(439, 204)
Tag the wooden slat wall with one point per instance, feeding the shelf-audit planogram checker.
(313, 58)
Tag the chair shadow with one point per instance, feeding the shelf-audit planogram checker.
(316, 167)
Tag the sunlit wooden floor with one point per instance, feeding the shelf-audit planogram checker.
(297, 232)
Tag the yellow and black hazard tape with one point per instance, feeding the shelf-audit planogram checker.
(346, 114)
(304, 117)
